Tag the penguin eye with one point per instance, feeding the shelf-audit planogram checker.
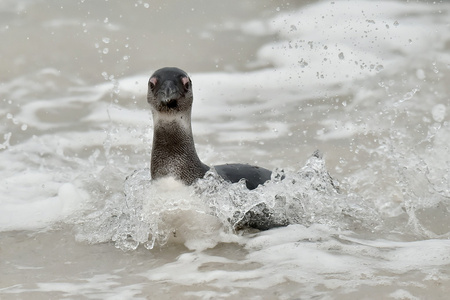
(152, 83)
(186, 83)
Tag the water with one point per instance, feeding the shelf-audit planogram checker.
(364, 82)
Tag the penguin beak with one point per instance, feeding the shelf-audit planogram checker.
(168, 94)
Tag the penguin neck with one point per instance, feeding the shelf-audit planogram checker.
(173, 151)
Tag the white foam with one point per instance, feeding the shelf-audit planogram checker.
(308, 256)
(40, 211)
(439, 112)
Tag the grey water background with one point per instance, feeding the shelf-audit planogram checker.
(365, 82)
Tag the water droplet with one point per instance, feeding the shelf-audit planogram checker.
(24, 127)
(146, 5)
(435, 69)
(396, 23)
(420, 74)
(278, 8)
(293, 28)
(439, 112)
(341, 55)
(409, 95)
(302, 63)
(105, 50)
(126, 57)
(379, 68)
(105, 40)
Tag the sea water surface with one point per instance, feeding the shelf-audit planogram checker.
(364, 82)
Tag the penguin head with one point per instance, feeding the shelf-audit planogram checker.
(170, 91)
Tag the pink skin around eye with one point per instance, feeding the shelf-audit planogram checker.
(153, 80)
(185, 80)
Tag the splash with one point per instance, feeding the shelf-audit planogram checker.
(149, 213)
(165, 211)
(307, 196)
